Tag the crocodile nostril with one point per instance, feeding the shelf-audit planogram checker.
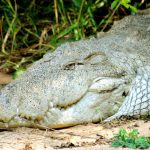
(124, 94)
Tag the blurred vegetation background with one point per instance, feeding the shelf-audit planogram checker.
(30, 28)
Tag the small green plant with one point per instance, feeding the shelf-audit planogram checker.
(18, 72)
(131, 139)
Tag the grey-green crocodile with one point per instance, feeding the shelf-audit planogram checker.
(84, 81)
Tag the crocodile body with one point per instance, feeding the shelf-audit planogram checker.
(84, 81)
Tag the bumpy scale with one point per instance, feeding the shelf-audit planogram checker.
(84, 81)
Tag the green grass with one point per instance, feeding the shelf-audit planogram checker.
(131, 140)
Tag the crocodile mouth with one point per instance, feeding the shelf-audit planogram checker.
(100, 99)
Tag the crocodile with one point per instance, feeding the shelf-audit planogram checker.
(90, 80)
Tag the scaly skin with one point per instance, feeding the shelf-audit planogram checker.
(85, 81)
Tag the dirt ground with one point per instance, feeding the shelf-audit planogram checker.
(81, 137)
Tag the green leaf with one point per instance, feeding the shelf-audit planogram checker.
(66, 31)
(133, 9)
(18, 72)
(142, 142)
(130, 142)
(131, 145)
(125, 1)
(114, 4)
(117, 143)
(122, 133)
(77, 3)
(134, 133)
(126, 4)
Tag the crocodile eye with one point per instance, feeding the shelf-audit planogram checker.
(71, 65)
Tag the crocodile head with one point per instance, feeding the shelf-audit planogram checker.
(80, 82)
(65, 88)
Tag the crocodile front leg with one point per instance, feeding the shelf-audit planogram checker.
(137, 103)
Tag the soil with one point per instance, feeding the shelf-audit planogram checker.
(80, 137)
